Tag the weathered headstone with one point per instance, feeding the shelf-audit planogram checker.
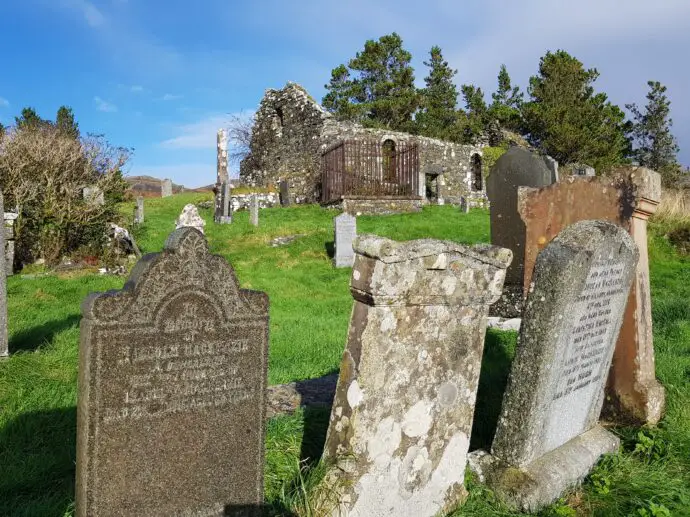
(548, 437)
(222, 157)
(552, 165)
(3, 290)
(402, 414)
(139, 211)
(93, 195)
(254, 210)
(10, 218)
(284, 193)
(464, 205)
(345, 234)
(172, 390)
(223, 204)
(166, 188)
(584, 170)
(626, 199)
(189, 217)
(517, 167)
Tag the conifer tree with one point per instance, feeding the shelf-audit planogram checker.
(438, 117)
(507, 101)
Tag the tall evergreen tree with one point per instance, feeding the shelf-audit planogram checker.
(656, 147)
(438, 116)
(65, 122)
(377, 86)
(29, 119)
(476, 118)
(507, 101)
(566, 119)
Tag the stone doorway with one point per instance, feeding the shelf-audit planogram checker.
(432, 183)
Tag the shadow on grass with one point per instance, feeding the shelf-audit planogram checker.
(31, 338)
(330, 249)
(37, 459)
(499, 350)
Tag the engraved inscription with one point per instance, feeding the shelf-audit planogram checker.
(590, 337)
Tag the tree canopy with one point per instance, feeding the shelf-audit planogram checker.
(438, 116)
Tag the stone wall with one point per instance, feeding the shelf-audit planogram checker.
(358, 205)
(292, 130)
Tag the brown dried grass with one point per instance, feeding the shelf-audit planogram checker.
(674, 207)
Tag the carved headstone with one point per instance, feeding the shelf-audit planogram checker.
(3, 290)
(172, 382)
(345, 234)
(254, 210)
(402, 414)
(139, 211)
(190, 217)
(166, 188)
(548, 428)
(284, 193)
(517, 167)
(626, 199)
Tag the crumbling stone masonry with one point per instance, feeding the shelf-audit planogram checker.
(292, 130)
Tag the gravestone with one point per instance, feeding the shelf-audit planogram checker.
(189, 217)
(584, 170)
(254, 210)
(166, 188)
(548, 437)
(93, 196)
(10, 218)
(223, 207)
(464, 205)
(222, 157)
(517, 167)
(284, 193)
(402, 415)
(627, 199)
(3, 291)
(345, 234)
(172, 390)
(139, 211)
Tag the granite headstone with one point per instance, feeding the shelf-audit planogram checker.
(189, 217)
(172, 390)
(223, 205)
(166, 188)
(254, 210)
(284, 193)
(548, 427)
(402, 415)
(139, 211)
(345, 234)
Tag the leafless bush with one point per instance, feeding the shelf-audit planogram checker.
(240, 136)
(43, 173)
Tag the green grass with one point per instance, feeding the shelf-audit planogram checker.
(310, 309)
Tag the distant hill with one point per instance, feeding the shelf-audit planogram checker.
(148, 186)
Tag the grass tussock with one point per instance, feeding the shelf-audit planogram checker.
(674, 207)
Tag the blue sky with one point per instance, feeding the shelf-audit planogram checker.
(162, 77)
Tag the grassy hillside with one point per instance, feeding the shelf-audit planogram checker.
(310, 308)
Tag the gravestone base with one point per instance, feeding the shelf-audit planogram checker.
(510, 304)
(643, 406)
(544, 481)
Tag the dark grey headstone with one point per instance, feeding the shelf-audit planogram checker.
(345, 234)
(3, 290)
(223, 206)
(284, 193)
(568, 335)
(172, 390)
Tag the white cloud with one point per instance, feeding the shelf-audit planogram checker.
(136, 88)
(105, 106)
(170, 97)
(197, 135)
(92, 15)
(4, 103)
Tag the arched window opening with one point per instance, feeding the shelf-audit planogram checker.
(388, 152)
(477, 180)
(279, 113)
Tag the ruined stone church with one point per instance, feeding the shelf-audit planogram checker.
(295, 139)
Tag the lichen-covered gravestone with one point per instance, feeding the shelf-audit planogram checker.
(172, 382)
(402, 415)
(3, 289)
(189, 217)
(166, 188)
(345, 234)
(548, 437)
(254, 210)
(139, 211)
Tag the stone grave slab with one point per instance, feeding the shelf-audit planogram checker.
(402, 415)
(284, 193)
(166, 188)
(223, 207)
(345, 234)
(139, 211)
(551, 407)
(172, 390)
(254, 210)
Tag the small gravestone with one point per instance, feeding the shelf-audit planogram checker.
(10, 218)
(93, 196)
(400, 425)
(139, 211)
(284, 193)
(189, 217)
(223, 206)
(548, 437)
(172, 390)
(3, 290)
(254, 210)
(345, 234)
(464, 205)
(166, 188)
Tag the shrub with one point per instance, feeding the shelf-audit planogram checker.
(43, 172)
